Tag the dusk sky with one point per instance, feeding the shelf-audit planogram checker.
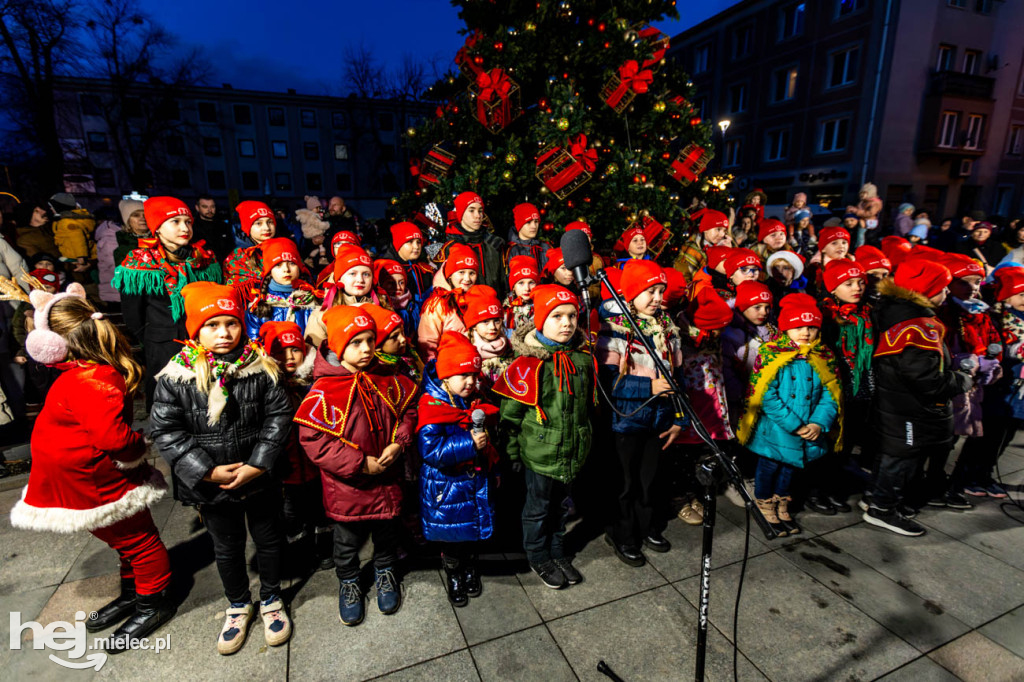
(258, 44)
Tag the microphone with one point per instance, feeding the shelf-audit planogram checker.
(478, 418)
(577, 255)
(969, 364)
(993, 350)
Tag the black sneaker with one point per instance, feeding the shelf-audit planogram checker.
(938, 501)
(550, 574)
(572, 576)
(839, 504)
(955, 500)
(631, 556)
(656, 542)
(893, 521)
(907, 511)
(820, 505)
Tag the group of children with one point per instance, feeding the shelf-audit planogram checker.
(375, 397)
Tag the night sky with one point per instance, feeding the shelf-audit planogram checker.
(271, 45)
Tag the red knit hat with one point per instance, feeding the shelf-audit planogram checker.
(482, 304)
(872, 258)
(741, 258)
(404, 232)
(554, 261)
(343, 323)
(924, 276)
(47, 277)
(1008, 281)
(895, 249)
(675, 287)
(750, 294)
(386, 266)
(614, 276)
(385, 320)
(770, 226)
(838, 271)
(463, 201)
(158, 210)
(456, 355)
(580, 225)
(710, 312)
(206, 300)
(282, 335)
(279, 250)
(251, 211)
(710, 219)
(460, 257)
(717, 255)
(623, 243)
(798, 310)
(524, 213)
(350, 257)
(546, 298)
(522, 267)
(961, 266)
(638, 276)
(828, 235)
(345, 237)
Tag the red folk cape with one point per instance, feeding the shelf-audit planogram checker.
(328, 404)
(521, 381)
(925, 333)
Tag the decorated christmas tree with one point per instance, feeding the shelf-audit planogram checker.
(571, 106)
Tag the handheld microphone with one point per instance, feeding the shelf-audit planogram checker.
(478, 418)
(577, 255)
(993, 350)
(968, 364)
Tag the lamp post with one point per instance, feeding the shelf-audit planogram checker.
(724, 125)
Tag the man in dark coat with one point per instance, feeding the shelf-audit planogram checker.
(212, 229)
(914, 385)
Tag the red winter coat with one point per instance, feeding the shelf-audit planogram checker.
(337, 433)
(88, 470)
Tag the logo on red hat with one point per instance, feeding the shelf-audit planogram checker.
(764, 296)
(260, 212)
(180, 210)
(289, 338)
(363, 259)
(395, 319)
(563, 296)
(468, 261)
(226, 304)
(477, 362)
(807, 317)
(493, 310)
(361, 321)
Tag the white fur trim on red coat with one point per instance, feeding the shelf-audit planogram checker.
(62, 520)
(131, 464)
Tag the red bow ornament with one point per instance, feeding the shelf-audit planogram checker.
(586, 157)
(493, 99)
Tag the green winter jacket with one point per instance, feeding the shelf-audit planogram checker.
(553, 437)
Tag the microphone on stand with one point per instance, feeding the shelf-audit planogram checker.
(577, 255)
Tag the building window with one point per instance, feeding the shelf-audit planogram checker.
(949, 126)
(314, 182)
(701, 57)
(243, 114)
(344, 181)
(975, 132)
(947, 53)
(180, 179)
(250, 181)
(742, 42)
(279, 148)
(91, 105)
(386, 122)
(175, 145)
(341, 152)
(207, 112)
(98, 142)
(1015, 143)
(103, 177)
(700, 105)
(845, 8)
(310, 151)
(1004, 197)
(339, 119)
(247, 148)
(733, 153)
(791, 21)
(211, 146)
(215, 179)
(738, 98)
(972, 58)
(834, 135)
(283, 182)
(784, 84)
(308, 118)
(983, 6)
(842, 67)
(776, 145)
(275, 116)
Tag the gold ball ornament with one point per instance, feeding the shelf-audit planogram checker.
(659, 106)
(563, 124)
(511, 158)
(411, 132)
(507, 175)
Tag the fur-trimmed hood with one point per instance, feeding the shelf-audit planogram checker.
(890, 289)
(898, 304)
(524, 342)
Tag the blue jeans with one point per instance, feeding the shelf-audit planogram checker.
(772, 478)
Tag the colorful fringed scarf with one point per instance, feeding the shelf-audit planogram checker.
(149, 271)
(855, 342)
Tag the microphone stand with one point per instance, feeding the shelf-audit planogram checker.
(710, 470)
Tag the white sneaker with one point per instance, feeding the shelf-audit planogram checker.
(277, 627)
(732, 494)
(236, 627)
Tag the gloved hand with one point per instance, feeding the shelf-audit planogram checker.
(966, 381)
(989, 370)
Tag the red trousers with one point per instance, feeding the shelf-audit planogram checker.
(143, 555)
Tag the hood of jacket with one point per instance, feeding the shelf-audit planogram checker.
(524, 342)
(514, 238)
(107, 230)
(897, 304)
(433, 387)
(327, 364)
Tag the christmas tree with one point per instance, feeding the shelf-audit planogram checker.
(571, 106)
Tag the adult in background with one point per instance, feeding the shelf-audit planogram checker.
(982, 246)
(904, 221)
(212, 229)
(33, 228)
(341, 218)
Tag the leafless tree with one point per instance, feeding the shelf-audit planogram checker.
(363, 75)
(409, 80)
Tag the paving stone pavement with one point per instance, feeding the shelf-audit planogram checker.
(844, 601)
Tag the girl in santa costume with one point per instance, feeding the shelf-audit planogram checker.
(244, 267)
(284, 294)
(485, 331)
(151, 278)
(794, 400)
(443, 310)
(459, 463)
(523, 277)
(741, 340)
(221, 417)
(352, 285)
(88, 465)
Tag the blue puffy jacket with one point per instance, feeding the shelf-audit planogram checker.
(253, 322)
(455, 499)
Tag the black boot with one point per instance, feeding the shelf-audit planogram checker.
(471, 575)
(151, 611)
(455, 582)
(115, 611)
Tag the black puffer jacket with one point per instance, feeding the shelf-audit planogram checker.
(253, 428)
(914, 380)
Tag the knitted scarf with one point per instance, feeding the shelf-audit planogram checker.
(221, 372)
(411, 361)
(149, 271)
(856, 341)
(1013, 333)
(975, 330)
(658, 328)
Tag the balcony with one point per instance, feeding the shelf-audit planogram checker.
(956, 84)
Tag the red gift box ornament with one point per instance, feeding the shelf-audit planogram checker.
(623, 86)
(586, 157)
(563, 173)
(656, 235)
(497, 99)
(690, 163)
(436, 166)
(659, 43)
(465, 61)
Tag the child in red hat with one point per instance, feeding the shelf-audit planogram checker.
(484, 327)
(555, 271)
(284, 293)
(391, 285)
(545, 424)
(795, 398)
(712, 230)
(221, 418)
(244, 266)
(750, 327)
(356, 424)
(469, 229)
(459, 463)
(641, 437)
(833, 244)
(771, 237)
(523, 277)
(393, 350)
(352, 285)
(876, 266)
(522, 237)
(713, 274)
(407, 249)
(443, 310)
(150, 280)
(596, 261)
(631, 245)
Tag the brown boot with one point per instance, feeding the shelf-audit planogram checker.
(767, 509)
(784, 516)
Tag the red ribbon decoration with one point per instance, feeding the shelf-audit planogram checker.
(493, 83)
(463, 58)
(586, 157)
(631, 77)
(650, 34)
(683, 168)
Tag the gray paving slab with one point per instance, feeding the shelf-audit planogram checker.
(923, 669)
(794, 628)
(29, 604)
(457, 667)
(501, 608)
(1007, 631)
(33, 559)
(976, 658)
(684, 558)
(964, 582)
(985, 528)
(528, 655)
(648, 636)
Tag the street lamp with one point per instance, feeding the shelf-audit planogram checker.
(724, 125)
